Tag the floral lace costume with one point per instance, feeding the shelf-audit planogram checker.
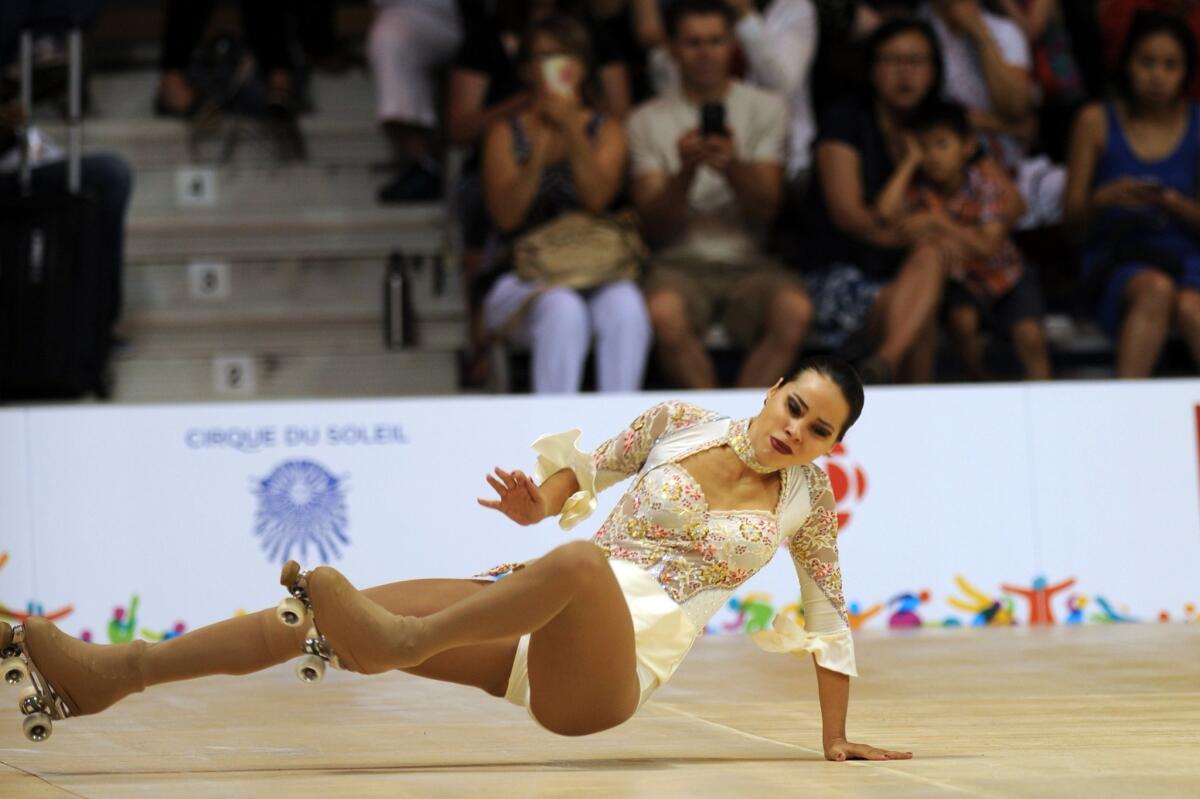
(698, 556)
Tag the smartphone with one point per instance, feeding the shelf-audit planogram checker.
(556, 74)
(712, 119)
(1153, 183)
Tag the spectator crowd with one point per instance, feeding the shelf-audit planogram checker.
(890, 180)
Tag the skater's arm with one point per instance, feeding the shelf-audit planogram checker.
(833, 691)
(524, 501)
(557, 489)
(570, 478)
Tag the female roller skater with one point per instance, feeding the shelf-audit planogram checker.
(583, 635)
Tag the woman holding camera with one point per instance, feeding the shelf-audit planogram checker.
(556, 156)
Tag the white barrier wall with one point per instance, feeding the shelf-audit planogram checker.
(192, 508)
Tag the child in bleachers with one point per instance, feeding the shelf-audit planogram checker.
(942, 193)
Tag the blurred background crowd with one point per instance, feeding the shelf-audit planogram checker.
(693, 193)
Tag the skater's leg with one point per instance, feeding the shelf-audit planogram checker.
(91, 677)
(582, 665)
(485, 666)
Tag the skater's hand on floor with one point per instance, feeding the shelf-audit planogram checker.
(520, 499)
(840, 749)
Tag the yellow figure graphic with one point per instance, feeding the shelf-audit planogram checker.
(985, 610)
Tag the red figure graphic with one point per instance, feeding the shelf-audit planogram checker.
(1039, 596)
(848, 481)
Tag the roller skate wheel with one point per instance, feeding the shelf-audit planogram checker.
(290, 574)
(310, 668)
(291, 611)
(30, 701)
(15, 671)
(37, 727)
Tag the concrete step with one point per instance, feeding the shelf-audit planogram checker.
(245, 234)
(342, 130)
(129, 95)
(278, 290)
(205, 189)
(292, 375)
(317, 330)
(158, 143)
(329, 335)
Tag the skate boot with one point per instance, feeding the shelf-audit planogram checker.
(366, 637)
(295, 611)
(59, 676)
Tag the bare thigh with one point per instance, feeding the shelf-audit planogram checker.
(485, 666)
(583, 663)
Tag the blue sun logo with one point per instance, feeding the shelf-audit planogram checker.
(300, 504)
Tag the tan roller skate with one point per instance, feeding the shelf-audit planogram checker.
(59, 676)
(37, 701)
(295, 611)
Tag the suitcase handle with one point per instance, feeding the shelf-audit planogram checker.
(74, 109)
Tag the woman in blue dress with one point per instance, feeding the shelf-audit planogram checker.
(1132, 197)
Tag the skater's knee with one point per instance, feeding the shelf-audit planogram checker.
(574, 725)
(582, 561)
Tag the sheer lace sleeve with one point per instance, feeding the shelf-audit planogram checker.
(617, 458)
(826, 630)
(624, 454)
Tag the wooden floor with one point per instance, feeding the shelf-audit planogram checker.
(1097, 711)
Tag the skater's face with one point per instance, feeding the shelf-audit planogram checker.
(800, 422)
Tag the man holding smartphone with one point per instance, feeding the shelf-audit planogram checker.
(708, 171)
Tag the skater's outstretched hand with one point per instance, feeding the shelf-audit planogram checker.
(520, 499)
(840, 749)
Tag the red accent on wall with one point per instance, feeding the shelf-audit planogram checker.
(838, 481)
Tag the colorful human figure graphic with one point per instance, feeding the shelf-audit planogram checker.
(795, 610)
(905, 616)
(32, 607)
(754, 612)
(121, 630)
(1189, 613)
(859, 617)
(1075, 605)
(984, 609)
(1108, 614)
(1039, 596)
(177, 630)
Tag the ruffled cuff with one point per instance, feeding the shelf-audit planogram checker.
(561, 451)
(834, 651)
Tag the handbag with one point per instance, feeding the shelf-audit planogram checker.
(580, 251)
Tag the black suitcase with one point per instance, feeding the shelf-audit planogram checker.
(54, 337)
